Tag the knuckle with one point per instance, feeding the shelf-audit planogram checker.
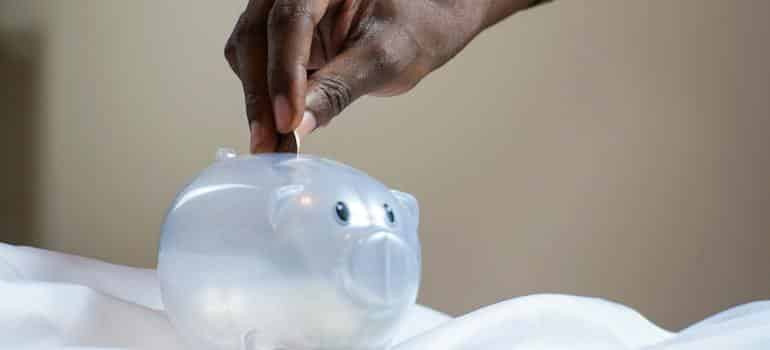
(238, 34)
(285, 12)
(336, 95)
(230, 50)
(390, 59)
(246, 27)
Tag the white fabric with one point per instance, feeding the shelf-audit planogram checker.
(56, 301)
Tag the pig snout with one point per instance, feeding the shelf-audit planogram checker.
(383, 271)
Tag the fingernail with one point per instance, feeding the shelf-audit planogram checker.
(307, 125)
(282, 113)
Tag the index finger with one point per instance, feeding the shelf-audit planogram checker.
(290, 37)
(250, 41)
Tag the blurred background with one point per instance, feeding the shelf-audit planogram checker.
(617, 149)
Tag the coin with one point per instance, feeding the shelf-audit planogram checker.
(288, 143)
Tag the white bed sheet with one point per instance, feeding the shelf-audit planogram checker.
(55, 301)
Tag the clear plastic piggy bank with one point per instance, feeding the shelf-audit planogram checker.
(288, 252)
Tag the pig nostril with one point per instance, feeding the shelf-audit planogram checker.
(383, 271)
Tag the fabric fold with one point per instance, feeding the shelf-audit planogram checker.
(55, 301)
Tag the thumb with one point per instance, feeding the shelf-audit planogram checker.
(355, 72)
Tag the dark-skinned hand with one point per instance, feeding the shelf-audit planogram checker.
(301, 62)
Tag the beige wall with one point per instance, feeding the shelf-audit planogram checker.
(617, 149)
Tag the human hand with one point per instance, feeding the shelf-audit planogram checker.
(301, 62)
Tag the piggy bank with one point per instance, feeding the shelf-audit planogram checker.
(286, 251)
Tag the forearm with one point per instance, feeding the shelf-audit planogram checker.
(497, 10)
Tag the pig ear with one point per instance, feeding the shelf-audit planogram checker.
(410, 204)
(225, 153)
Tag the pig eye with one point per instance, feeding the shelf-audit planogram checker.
(390, 214)
(343, 214)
